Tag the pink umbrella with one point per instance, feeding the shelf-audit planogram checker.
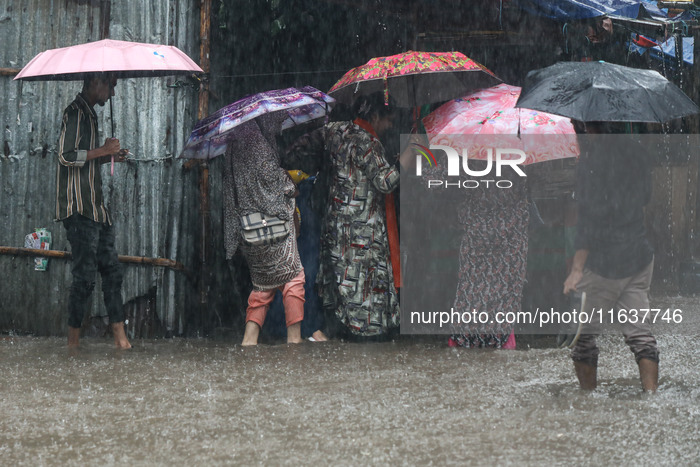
(124, 59)
(461, 123)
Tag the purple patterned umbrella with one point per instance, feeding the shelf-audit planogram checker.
(212, 134)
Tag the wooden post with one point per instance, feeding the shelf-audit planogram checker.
(204, 62)
(694, 164)
(203, 111)
(105, 18)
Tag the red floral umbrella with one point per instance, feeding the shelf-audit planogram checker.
(415, 78)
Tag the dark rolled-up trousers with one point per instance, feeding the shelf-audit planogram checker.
(92, 249)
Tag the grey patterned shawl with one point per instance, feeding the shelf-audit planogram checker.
(252, 168)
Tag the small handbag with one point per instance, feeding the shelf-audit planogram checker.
(261, 229)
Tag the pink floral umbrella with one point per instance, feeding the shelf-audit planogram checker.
(460, 122)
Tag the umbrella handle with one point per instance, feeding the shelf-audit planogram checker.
(111, 123)
(111, 113)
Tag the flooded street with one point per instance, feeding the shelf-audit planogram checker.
(170, 164)
(412, 401)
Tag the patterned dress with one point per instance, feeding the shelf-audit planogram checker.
(355, 277)
(492, 258)
(252, 169)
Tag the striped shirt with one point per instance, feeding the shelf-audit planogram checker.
(78, 181)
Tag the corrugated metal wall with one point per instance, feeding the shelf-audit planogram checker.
(153, 200)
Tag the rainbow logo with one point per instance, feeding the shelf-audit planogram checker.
(425, 152)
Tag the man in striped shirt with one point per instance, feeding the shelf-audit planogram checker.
(79, 205)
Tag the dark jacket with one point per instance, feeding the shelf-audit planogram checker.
(613, 186)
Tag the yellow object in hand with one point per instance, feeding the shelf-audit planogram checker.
(298, 175)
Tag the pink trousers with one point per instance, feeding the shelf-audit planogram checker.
(292, 298)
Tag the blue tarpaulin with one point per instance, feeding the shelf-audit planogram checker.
(686, 16)
(567, 10)
(642, 10)
(666, 51)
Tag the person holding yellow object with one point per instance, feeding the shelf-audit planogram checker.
(308, 232)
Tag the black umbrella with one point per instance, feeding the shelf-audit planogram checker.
(604, 92)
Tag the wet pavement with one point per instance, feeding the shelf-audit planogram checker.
(413, 401)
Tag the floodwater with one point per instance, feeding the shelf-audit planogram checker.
(413, 401)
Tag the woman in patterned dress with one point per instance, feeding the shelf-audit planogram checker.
(492, 258)
(355, 278)
(254, 182)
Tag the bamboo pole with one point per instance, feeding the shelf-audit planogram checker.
(161, 262)
(9, 71)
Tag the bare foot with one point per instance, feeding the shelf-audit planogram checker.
(250, 336)
(120, 340)
(73, 337)
(319, 336)
(649, 374)
(294, 334)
